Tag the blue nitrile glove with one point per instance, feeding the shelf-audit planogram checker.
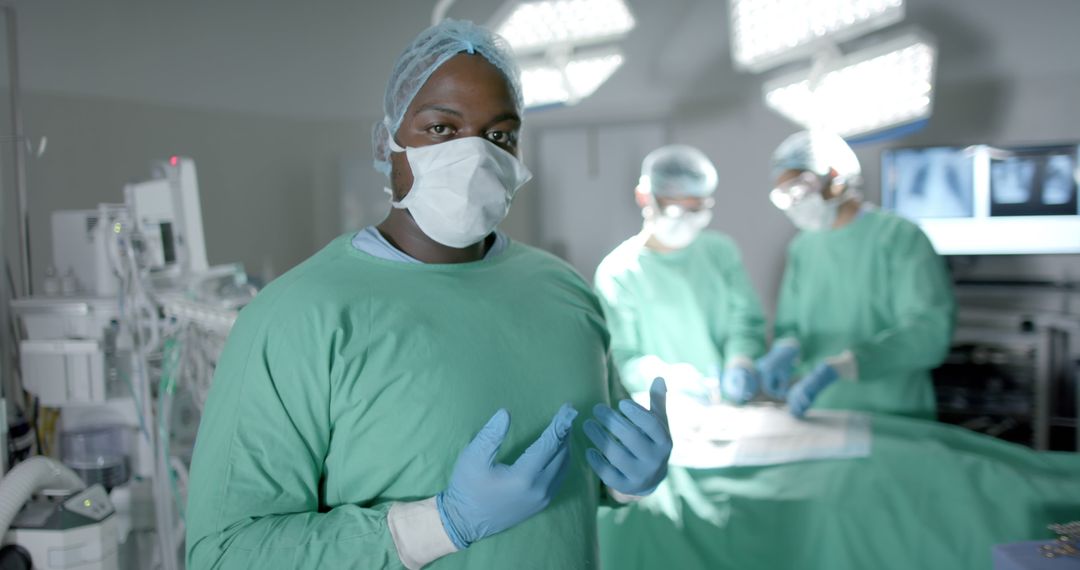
(485, 497)
(806, 390)
(634, 461)
(738, 384)
(775, 368)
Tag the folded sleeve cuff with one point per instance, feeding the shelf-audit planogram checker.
(418, 533)
(623, 498)
(740, 362)
(787, 341)
(846, 365)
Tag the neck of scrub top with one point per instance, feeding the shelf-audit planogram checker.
(400, 229)
(847, 212)
(345, 242)
(854, 223)
(650, 244)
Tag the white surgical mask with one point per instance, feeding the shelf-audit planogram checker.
(814, 212)
(461, 188)
(679, 231)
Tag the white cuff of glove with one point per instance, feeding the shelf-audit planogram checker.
(740, 362)
(846, 365)
(787, 341)
(622, 497)
(418, 533)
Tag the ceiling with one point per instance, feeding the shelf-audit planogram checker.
(330, 59)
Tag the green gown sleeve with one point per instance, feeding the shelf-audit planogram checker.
(620, 312)
(786, 324)
(746, 331)
(255, 499)
(924, 310)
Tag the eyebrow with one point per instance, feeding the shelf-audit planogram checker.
(507, 116)
(440, 108)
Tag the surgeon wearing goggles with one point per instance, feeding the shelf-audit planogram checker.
(407, 395)
(677, 297)
(866, 307)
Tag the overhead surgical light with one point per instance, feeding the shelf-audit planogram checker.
(536, 26)
(566, 48)
(549, 83)
(885, 86)
(767, 33)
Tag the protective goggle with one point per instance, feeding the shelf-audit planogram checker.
(790, 192)
(679, 210)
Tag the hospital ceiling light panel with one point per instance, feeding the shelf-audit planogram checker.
(886, 86)
(538, 26)
(767, 33)
(547, 83)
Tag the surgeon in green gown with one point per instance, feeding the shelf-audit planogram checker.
(866, 306)
(406, 396)
(678, 300)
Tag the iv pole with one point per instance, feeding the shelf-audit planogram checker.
(8, 8)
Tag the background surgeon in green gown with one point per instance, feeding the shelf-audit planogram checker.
(678, 300)
(405, 397)
(865, 299)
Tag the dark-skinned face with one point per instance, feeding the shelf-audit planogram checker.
(465, 97)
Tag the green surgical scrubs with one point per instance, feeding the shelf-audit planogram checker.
(875, 287)
(353, 382)
(694, 305)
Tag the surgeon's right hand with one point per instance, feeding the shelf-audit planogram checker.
(632, 448)
(776, 367)
(485, 497)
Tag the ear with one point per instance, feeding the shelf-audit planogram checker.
(642, 198)
(837, 185)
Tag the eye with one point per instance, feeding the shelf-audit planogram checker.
(504, 138)
(440, 130)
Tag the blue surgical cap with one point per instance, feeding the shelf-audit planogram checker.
(676, 171)
(818, 152)
(432, 48)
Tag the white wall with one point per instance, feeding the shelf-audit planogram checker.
(586, 180)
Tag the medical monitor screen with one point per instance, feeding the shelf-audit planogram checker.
(931, 182)
(1038, 182)
(985, 199)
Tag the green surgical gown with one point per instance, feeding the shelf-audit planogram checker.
(875, 287)
(353, 382)
(694, 305)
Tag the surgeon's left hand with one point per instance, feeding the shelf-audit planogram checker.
(739, 384)
(634, 461)
(806, 390)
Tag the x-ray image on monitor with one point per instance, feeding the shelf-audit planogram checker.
(1036, 182)
(931, 182)
(1059, 184)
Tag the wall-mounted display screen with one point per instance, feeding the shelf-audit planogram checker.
(988, 200)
